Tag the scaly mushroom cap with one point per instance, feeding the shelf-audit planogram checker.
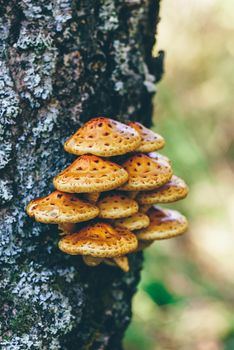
(174, 190)
(150, 141)
(90, 174)
(59, 207)
(134, 222)
(103, 137)
(115, 206)
(159, 156)
(145, 173)
(99, 240)
(164, 223)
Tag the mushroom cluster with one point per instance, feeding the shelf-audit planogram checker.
(105, 201)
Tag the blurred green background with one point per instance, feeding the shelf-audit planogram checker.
(185, 300)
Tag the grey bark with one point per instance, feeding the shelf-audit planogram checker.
(62, 63)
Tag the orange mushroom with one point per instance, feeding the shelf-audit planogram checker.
(61, 208)
(116, 205)
(99, 240)
(164, 223)
(90, 174)
(174, 190)
(103, 137)
(109, 242)
(145, 172)
(134, 222)
(150, 141)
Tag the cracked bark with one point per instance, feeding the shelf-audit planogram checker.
(62, 63)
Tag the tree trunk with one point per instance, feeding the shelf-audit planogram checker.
(62, 63)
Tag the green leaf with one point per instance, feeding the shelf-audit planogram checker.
(160, 294)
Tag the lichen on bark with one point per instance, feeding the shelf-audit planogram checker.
(62, 63)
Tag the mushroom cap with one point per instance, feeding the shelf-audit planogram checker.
(145, 173)
(89, 173)
(134, 222)
(164, 223)
(99, 240)
(115, 206)
(103, 137)
(150, 141)
(174, 190)
(159, 156)
(59, 207)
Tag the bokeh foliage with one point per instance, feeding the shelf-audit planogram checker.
(185, 299)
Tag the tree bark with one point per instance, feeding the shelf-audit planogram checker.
(62, 63)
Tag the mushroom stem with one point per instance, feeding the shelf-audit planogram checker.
(132, 194)
(120, 261)
(92, 197)
(144, 208)
(91, 261)
(66, 228)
